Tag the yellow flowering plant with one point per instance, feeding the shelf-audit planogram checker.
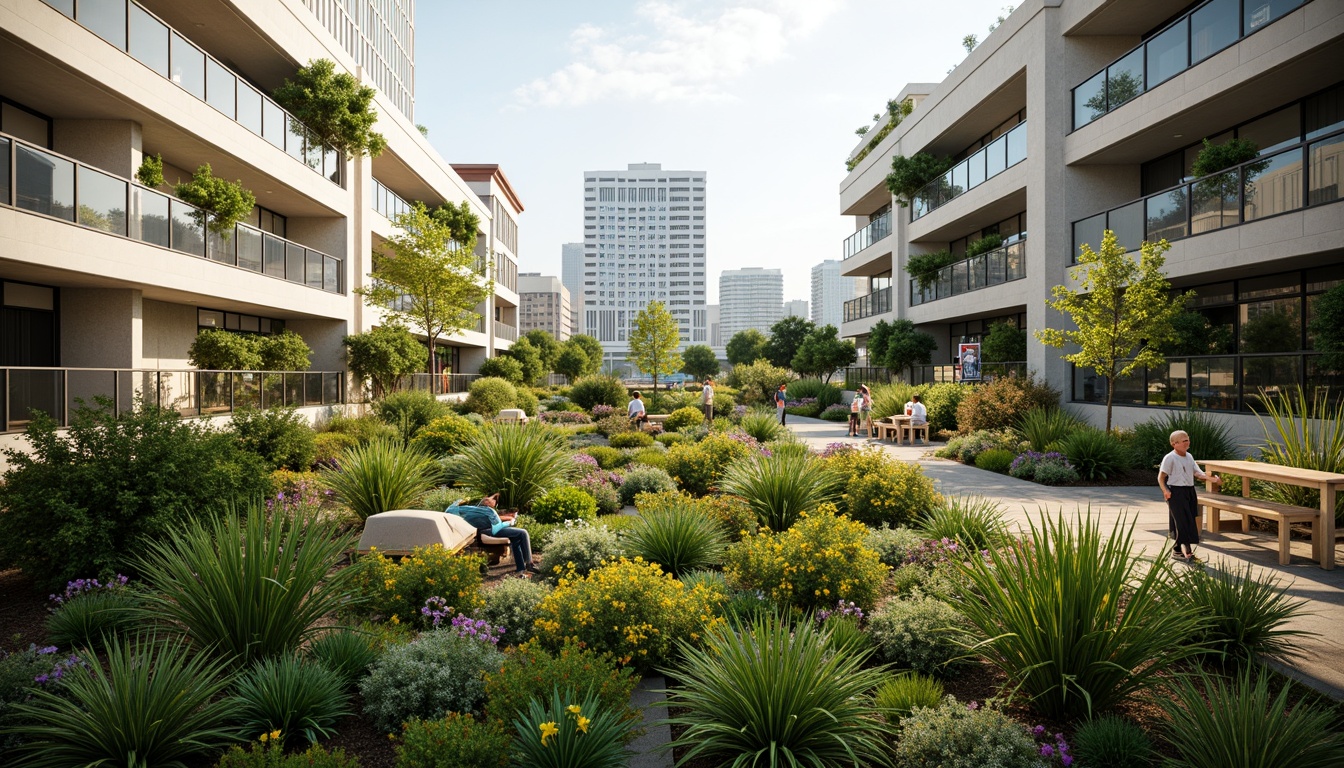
(878, 489)
(396, 591)
(564, 731)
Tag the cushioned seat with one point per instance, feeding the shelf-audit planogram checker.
(400, 531)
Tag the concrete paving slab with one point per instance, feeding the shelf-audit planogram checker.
(646, 747)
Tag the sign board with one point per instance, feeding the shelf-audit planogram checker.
(969, 355)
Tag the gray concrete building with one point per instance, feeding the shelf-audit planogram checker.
(751, 297)
(545, 305)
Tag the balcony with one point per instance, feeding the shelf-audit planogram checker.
(1305, 175)
(387, 202)
(1001, 265)
(1194, 37)
(991, 160)
(141, 35)
(876, 303)
(58, 187)
(507, 332)
(877, 229)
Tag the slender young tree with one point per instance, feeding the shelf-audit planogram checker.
(653, 342)
(1124, 311)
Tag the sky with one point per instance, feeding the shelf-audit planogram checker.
(762, 95)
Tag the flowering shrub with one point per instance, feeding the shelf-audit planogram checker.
(614, 424)
(446, 434)
(577, 549)
(397, 591)
(836, 412)
(601, 411)
(893, 545)
(835, 449)
(1046, 468)
(966, 448)
(602, 487)
(529, 673)
(698, 468)
(269, 752)
(585, 463)
(630, 608)
(918, 634)
(954, 735)
(564, 503)
(89, 611)
(819, 560)
(512, 606)
(880, 490)
(442, 671)
(79, 587)
(564, 417)
(684, 417)
(456, 741)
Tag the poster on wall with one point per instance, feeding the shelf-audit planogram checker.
(969, 354)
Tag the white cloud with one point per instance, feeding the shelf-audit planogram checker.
(675, 55)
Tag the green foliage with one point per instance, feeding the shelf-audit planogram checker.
(893, 545)
(379, 477)
(83, 500)
(280, 436)
(1044, 427)
(1004, 343)
(983, 245)
(219, 350)
(1123, 311)
(447, 434)
(942, 400)
(598, 390)
(955, 736)
(530, 672)
(786, 336)
(651, 457)
(384, 355)
(1327, 328)
(757, 381)
(456, 741)
(531, 365)
(334, 107)
(578, 550)
(631, 440)
(590, 347)
(564, 503)
(269, 753)
(503, 367)
(1196, 335)
(607, 457)
(682, 418)
(699, 361)
(573, 362)
(150, 172)
(347, 653)
(284, 351)
(437, 673)
(88, 619)
(410, 411)
(924, 267)
(699, 467)
(292, 696)
(396, 591)
(654, 337)
(1051, 608)
(974, 522)
(733, 516)
(461, 222)
(557, 732)
(518, 463)
(512, 604)
(995, 460)
(645, 480)
(1245, 618)
(825, 393)
(967, 448)
(1096, 455)
(897, 345)
(911, 174)
(762, 425)
(227, 202)
(924, 634)
(546, 345)
(782, 487)
(680, 538)
(1002, 403)
(1111, 741)
(746, 347)
(489, 395)
(328, 447)
(365, 429)
(822, 353)
(151, 702)
(1213, 158)
(895, 113)
(878, 490)
(1220, 722)
(770, 693)
(1304, 435)
(899, 695)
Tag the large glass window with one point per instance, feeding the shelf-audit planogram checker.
(188, 66)
(64, 6)
(1213, 28)
(4, 172)
(1276, 130)
(102, 201)
(1167, 53)
(220, 87)
(1165, 215)
(1273, 185)
(1324, 112)
(1327, 157)
(1213, 383)
(1271, 326)
(104, 18)
(149, 40)
(1214, 202)
(45, 184)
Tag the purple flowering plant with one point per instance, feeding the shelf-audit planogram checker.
(1050, 749)
(602, 409)
(842, 609)
(79, 587)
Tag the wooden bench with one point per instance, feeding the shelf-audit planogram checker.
(1214, 504)
(887, 429)
(911, 431)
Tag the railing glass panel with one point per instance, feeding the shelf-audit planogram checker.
(294, 262)
(102, 201)
(249, 108)
(221, 88)
(876, 229)
(986, 270)
(151, 217)
(1273, 185)
(149, 40)
(46, 183)
(991, 160)
(274, 256)
(1327, 162)
(249, 248)
(186, 222)
(187, 66)
(1213, 27)
(104, 19)
(4, 172)
(1167, 53)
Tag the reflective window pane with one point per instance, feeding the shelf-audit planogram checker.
(1213, 28)
(102, 201)
(1089, 100)
(273, 256)
(976, 169)
(312, 155)
(188, 67)
(220, 87)
(1213, 383)
(313, 276)
(149, 40)
(221, 248)
(1324, 112)
(1271, 326)
(996, 157)
(1275, 130)
(1165, 215)
(1261, 12)
(188, 236)
(959, 173)
(331, 275)
(1127, 224)
(1124, 79)
(249, 249)
(151, 216)
(294, 138)
(1284, 284)
(249, 108)
(1167, 53)
(1268, 377)
(294, 262)
(104, 18)
(1326, 160)
(1017, 145)
(45, 184)
(333, 165)
(1088, 232)
(1015, 257)
(64, 6)
(1214, 202)
(1273, 185)
(273, 123)
(4, 172)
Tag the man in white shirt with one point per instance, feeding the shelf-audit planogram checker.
(919, 415)
(635, 410)
(707, 399)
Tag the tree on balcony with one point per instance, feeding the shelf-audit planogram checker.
(786, 336)
(384, 355)
(423, 279)
(911, 174)
(1124, 311)
(226, 202)
(333, 108)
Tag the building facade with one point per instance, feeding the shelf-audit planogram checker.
(1080, 116)
(644, 241)
(796, 308)
(101, 272)
(545, 305)
(752, 297)
(571, 274)
(830, 291)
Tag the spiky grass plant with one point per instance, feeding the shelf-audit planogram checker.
(293, 696)
(346, 652)
(1111, 741)
(1209, 437)
(900, 694)
(779, 488)
(680, 538)
(567, 731)
(1244, 617)
(380, 476)
(1096, 455)
(975, 522)
(1043, 427)
(88, 619)
(518, 463)
(762, 425)
(1306, 434)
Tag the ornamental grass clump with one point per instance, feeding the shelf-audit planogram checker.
(1043, 427)
(1243, 616)
(1110, 741)
(771, 693)
(381, 476)
(396, 590)
(1050, 606)
(974, 522)
(901, 694)
(346, 652)
(567, 730)
(1209, 437)
(679, 538)
(518, 463)
(293, 696)
(1095, 454)
(84, 616)
(780, 488)
(762, 425)
(1303, 434)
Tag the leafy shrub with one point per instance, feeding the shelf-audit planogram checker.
(607, 457)
(630, 609)
(893, 545)
(1096, 455)
(1044, 427)
(490, 395)
(502, 367)
(328, 447)
(410, 411)
(578, 548)
(966, 448)
(397, 590)
(899, 695)
(527, 401)
(699, 468)
(631, 440)
(280, 436)
(520, 464)
(512, 604)
(778, 693)
(678, 537)
(529, 673)
(762, 425)
(441, 671)
(819, 560)
(364, 429)
(613, 424)
(84, 500)
(564, 503)
(995, 460)
(682, 418)
(669, 439)
(348, 653)
(1110, 741)
(780, 488)
(381, 476)
(456, 741)
(557, 732)
(446, 435)
(20, 672)
(1209, 437)
(86, 620)
(879, 490)
(921, 634)
(974, 522)
(1002, 403)
(732, 514)
(650, 457)
(835, 412)
(1244, 617)
(598, 390)
(270, 753)
(292, 696)
(825, 394)
(1045, 468)
(645, 480)
(1056, 474)
(941, 401)
(954, 735)
(1097, 652)
(599, 486)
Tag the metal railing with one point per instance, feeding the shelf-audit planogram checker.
(505, 331)
(437, 383)
(876, 229)
(994, 158)
(55, 391)
(876, 303)
(45, 183)
(147, 39)
(1001, 265)
(1301, 176)
(1187, 41)
(1214, 382)
(387, 202)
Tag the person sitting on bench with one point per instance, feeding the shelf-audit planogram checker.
(490, 523)
(635, 410)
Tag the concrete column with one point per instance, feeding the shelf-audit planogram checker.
(101, 327)
(110, 145)
(324, 337)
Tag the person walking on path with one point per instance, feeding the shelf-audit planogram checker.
(866, 408)
(491, 523)
(854, 416)
(1176, 477)
(779, 403)
(707, 398)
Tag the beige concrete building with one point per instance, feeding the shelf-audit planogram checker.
(545, 305)
(102, 272)
(1076, 116)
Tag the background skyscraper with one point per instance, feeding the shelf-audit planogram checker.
(796, 308)
(749, 298)
(830, 291)
(571, 274)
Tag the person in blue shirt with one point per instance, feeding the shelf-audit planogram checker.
(780, 401)
(489, 522)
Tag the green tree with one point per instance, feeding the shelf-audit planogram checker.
(384, 355)
(746, 347)
(227, 202)
(786, 336)
(462, 222)
(529, 359)
(898, 345)
(546, 345)
(1327, 328)
(502, 367)
(1005, 343)
(573, 362)
(590, 347)
(699, 361)
(219, 350)
(334, 108)
(758, 380)
(1123, 311)
(911, 174)
(653, 342)
(284, 351)
(822, 353)
(422, 278)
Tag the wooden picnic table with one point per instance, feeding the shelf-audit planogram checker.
(1328, 483)
(892, 425)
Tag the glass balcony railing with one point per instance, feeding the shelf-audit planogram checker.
(58, 187)
(1001, 265)
(145, 38)
(991, 160)
(876, 303)
(877, 229)
(1304, 175)
(387, 202)
(505, 331)
(1194, 37)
